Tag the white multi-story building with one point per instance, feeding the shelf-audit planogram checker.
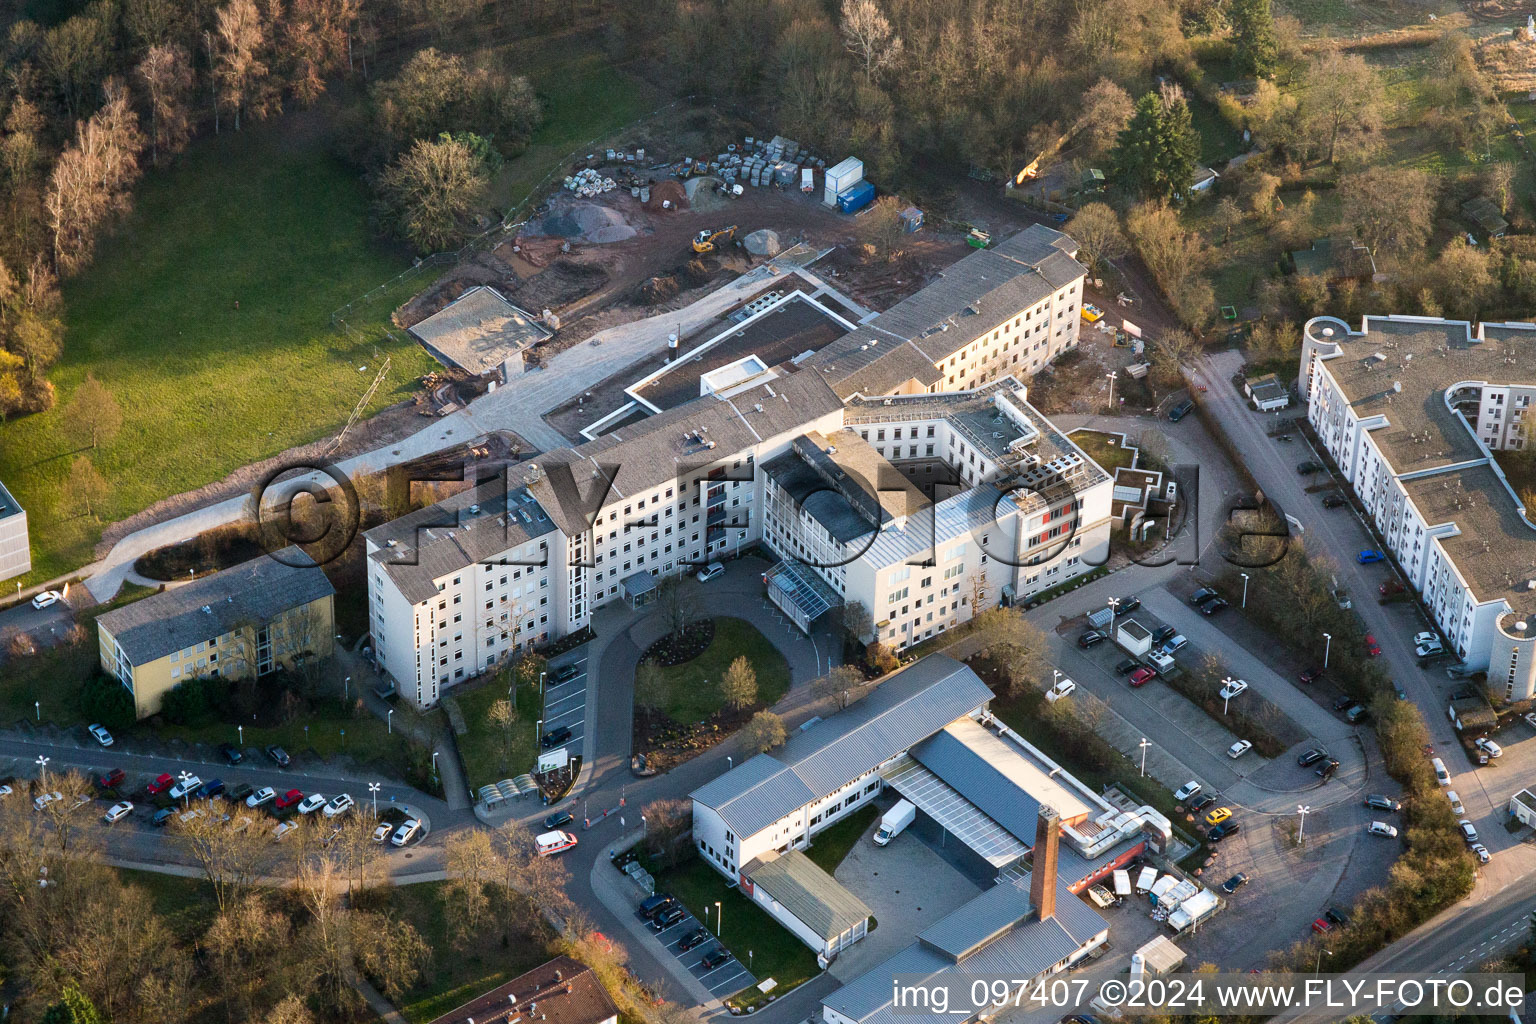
(997, 503)
(1411, 409)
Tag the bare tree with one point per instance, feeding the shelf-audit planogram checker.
(1228, 216)
(84, 489)
(763, 732)
(739, 687)
(92, 178)
(1096, 229)
(844, 685)
(503, 714)
(650, 686)
(668, 829)
(166, 72)
(1343, 105)
(251, 944)
(677, 605)
(857, 622)
(432, 191)
(240, 67)
(881, 228)
(231, 858)
(1107, 109)
(93, 415)
(867, 34)
(1017, 646)
(1390, 208)
(473, 863)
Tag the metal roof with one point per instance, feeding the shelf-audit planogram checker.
(815, 898)
(637, 584)
(250, 593)
(998, 777)
(809, 592)
(961, 818)
(908, 706)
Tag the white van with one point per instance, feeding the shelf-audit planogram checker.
(554, 842)
(1442, 776)
(1456, 808)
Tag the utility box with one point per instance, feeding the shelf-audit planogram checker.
(841, 178)
(856, 198)
(911, 219)
(1133, 636)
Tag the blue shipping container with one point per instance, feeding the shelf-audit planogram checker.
(856, 198)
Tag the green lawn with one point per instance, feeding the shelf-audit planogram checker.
(266, 218)
(484, 749)
(830, 846)
(1103, 448)
(693, 688)
(459, 974)
(186, 904)
(775, 953)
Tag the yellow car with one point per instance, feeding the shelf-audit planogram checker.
(1218, 816)
(1092, 314)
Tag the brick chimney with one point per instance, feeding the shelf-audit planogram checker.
(1042, 877)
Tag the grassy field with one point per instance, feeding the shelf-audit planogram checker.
(484, 748)
(693, 688)
(459, 973)
(265, 218)
(1103, 448)
(830, 846)
(775, 953)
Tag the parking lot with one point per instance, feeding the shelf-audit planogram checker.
(722, 981)
(565, 703)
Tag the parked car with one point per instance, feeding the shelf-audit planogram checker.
(710, 571)
(239, 793)
(1456, 806)
(406, 832)
(46, 599)
(1326, 770)
(42, 800)
(209, 789)
(1354, 711)
(1214, 605)
(565, 673)
(1322, 926)
(1234, 688)
(1174, 644)
(1489, 747)
(558, 819)
(339, 804)
(1218, 816)
(715, 958)
(697, 937)
(1126, 666)
(1202, 595)
(1372, 648)
(163, 817)
(231, 753)
(161, 783)
(1162, 633)
(1369, 555)
(112, 779)
(1092, 638)
(1201, 802)
(1427, 636)
(186, 787)
(1308, 467)
(279, 755)
(288, 799)
(283, 828)
(1483, 856)
(100, 734)
(653, 905)
(1239, 748)
(264, 795)
(311, 803)
(1389, 587)
(117, 812)
(555, 737)
(1127, 605)
(1181, 410)
(1187, 790)
(1468, 831)
(1142, 676)
(1428, 651)
(1311, 675)
(1334, 500)
(668, 917)
(1311, 756)
(381, 832)
(1381, 828)
(1234, 883)
(1337, 915)
(1381, 802)
(1062, 689)
(1222, 831)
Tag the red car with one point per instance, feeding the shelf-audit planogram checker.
(1322, 926)
(113, 779)
(1142, 676)
(1390, 587)
(1371, 647)
(161, 784)
(288, 799)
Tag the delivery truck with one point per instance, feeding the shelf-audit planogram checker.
(896, 819)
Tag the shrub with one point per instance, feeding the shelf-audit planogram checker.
(105, 700)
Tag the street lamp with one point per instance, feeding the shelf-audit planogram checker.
(1111, 377)
(389, 721)
(537, 729)
(1301, 830)
(719, 918)
(183, 777)
(42, 764)
(1327, 646)
(373, 788)
(434, 764)
(1319, 965)
(730, 762)
(1226, 689)
(1144, 745)
(645, 830)
(346, 689)
(1245, 588)
(38, 705)
(1114, 607)
(541, 684)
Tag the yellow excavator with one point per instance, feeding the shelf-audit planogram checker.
(708, 240)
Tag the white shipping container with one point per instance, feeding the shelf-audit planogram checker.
(841, 178)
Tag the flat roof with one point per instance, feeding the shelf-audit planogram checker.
(479, 330)
(998, 776)
(792, 326)
(1495, 550)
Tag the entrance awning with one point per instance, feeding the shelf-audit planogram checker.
(639, 588)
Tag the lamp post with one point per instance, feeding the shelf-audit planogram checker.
(389, 722)
(241, 730)
(1245, 588)
(186, 795)
(1111, 377)
(1114, 608)
(1327, 646)
(373, 789)
(42, 764)
(719, 918)
(38, 706)
(1144, 745)
(730, 762)
(346, 689)
(1301, 830)
(541, 684)
(434, 764)
(1226, 688)
(1319, 965)
(537, 730)
(645, 830)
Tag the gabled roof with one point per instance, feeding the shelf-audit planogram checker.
(912, 704)
(815, 898)
(250, 593)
